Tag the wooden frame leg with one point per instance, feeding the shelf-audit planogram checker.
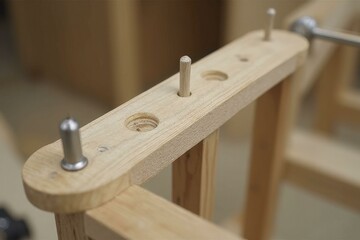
(193, 177)
(334, 88)
(326, 94)
(272, 122)
(70, 226)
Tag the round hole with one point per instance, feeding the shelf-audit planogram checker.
(214, 75)
(102, 149)
(142, 122)
(180, 96)
(242, 58)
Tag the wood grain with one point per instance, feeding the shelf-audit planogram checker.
(193, 177)
(268, 149)
(119, 157)
(139, 214)
(70, 226)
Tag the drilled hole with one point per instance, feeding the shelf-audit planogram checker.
(214, 75)
(180, 96)
(102, 149)
(242, 58)
(142, 122)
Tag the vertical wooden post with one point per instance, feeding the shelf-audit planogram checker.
(325, 95)
(70, 226)
(335, 79)
(272, 122)
(193, 177)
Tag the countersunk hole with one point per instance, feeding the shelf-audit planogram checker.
(142, 122)
(180, 96)
(214, 75)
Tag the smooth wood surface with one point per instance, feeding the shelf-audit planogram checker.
(335, 98)
(139, 214)
(349, 107)
(119, 157)
(70, 226)
(185, 70)
(324, 166)
(193, 177)
(268, 148)
(327, 93)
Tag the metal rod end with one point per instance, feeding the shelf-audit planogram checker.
(304, 26)
(70, 138)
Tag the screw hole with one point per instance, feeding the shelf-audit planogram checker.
(214, 75)
(102, 149)
(180, 96)
(242, 58)
(142, 122)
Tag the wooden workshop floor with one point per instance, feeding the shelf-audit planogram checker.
(33, 110)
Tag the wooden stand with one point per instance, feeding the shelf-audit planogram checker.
(135, 141)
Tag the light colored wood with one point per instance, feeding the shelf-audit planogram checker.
(237, 14)
(334, 94)
(242, 16)
(70, 226)
(326, 94)
(119, 157)
(193, 177)
(330, 15)
(348, 108)
(324, 166)
(267, 154)
(139, 214)
(185, 70)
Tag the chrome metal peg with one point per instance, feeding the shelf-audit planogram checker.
(307, 27)
(70, 138)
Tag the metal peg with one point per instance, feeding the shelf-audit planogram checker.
(185, 70)
(70, 138)
(307, 27)
(271, 12)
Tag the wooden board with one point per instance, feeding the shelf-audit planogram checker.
(139, 214)
(70, 226)
(325, 167)
(271, 129)
(221, 85)
(193, 177)
(348, 108)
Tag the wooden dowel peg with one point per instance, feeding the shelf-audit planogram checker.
(70, 138)
(271, 12)
(185, 70)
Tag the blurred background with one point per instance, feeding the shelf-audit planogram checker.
(83, 58)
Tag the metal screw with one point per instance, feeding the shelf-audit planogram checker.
(70, 138)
